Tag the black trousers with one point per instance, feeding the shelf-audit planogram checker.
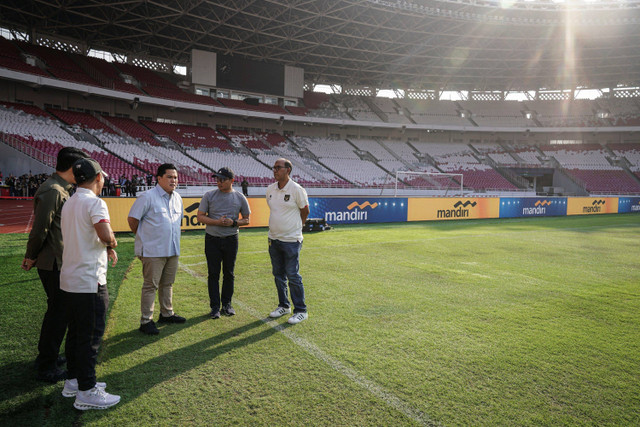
(220, 252)
(54, 323)
(87, 318)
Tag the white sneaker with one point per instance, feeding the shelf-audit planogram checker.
(279, 312)
(297, 318)
(71, 387)
(96, 398)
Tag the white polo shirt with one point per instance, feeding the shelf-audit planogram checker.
(84, 258)
(285, 223)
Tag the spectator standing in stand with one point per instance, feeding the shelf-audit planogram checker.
(44, 251)
(107, 187)
(245, 186)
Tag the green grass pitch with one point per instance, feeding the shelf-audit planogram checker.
(486, 322)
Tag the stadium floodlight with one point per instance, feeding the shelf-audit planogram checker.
(438, 181)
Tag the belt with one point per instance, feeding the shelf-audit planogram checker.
(233, 236)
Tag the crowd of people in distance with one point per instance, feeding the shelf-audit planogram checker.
(24, 185)
(128, 186)
(27, 184)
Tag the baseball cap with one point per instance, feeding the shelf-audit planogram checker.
(86, 169)
(225, 173)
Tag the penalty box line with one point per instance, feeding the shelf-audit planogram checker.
(315, 351)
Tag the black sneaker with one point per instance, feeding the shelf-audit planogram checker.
(149, 328)
(215, 314)
(52, 376)
(171, 319)
(227, 310)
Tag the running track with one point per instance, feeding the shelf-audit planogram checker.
(16, 215)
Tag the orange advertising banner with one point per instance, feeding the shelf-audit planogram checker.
(591, 205)
(430, 209)
(119, 211)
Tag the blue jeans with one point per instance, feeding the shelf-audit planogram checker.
(285, 257)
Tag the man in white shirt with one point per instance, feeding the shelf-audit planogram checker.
(88, 244)
(289, 208)
(155, 218)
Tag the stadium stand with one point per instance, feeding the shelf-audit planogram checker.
(178, 95)
(47, 135)
(306, 169)
(392, 112)
(59, 64)
(11, 57)
(105, 73)
(133, 129)
(357, 108)
(297, 111)
(564, 113)
(434, 112)
(355, 162)
(313, 100)
(242, 105)
(189, 135)
(589, 164)
(497, 113)
(340, 156)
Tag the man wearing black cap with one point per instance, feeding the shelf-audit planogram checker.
(222, 211)
(89, 243)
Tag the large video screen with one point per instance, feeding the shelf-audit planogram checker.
(247, 75)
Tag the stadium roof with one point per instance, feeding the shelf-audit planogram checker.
(413, 44)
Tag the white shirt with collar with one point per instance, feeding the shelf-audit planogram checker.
(84, 258)
(285, 223)
(160, 216)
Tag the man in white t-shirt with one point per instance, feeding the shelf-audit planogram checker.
(88, 245)
(289, 208)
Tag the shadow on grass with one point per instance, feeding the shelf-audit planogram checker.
(18, 378)
(27, 401)
(15, 282)
(137, 380)
(126, 342)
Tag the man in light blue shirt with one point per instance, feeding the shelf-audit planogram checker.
(155, 218)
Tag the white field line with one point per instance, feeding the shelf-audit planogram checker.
(368, 385)
(28, 227)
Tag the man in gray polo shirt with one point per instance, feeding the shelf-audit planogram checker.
(222, 210)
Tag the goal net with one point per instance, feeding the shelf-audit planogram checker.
(438, 182)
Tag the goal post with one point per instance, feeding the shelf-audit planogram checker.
(439, 181)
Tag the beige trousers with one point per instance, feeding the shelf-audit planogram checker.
(159, 273)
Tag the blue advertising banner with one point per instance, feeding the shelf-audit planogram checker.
(358, 210)
(628, 204)
(516, 207)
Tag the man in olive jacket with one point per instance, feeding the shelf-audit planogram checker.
(44, 251)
